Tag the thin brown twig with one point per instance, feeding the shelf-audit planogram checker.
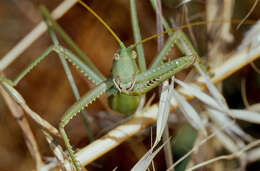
(36, 117)
(219, 34)
(18, 114)
(252, 64)
(227, 157)
(165, 136)
(57, 151)
(243, 93)
(248, 14)
(190, 30)
(28, 9)
(192, 150)
(46, 127)
(23, 44)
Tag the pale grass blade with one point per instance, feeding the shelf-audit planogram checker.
(222, 119)
(20, 100)
(252, 38)
(195, 91)
(190, 113)
(213, 90)
(225, 140)
(164, 108)
(246, 115)
(145, 161)
(255, 107)
(253, 155)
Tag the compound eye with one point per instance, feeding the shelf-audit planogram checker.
(134, 54)
(116, 56)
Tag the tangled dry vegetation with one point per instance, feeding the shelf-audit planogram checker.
(202, 125)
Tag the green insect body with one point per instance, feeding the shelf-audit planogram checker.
(126, 83)
(130, 83)
(124, 70)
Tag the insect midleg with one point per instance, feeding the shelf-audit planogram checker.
(78, 52)
(62, 51)
(29, 68)
(182, 42)
(89, 97)
(71, 82)
(99, 77)
(94, 76)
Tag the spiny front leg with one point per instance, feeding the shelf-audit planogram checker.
(154, 76)
(88, 98)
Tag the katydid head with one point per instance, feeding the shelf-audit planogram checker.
(124, 69)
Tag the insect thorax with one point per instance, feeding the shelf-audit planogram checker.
(124, 69)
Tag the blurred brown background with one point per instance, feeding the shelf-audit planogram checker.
(47, 91)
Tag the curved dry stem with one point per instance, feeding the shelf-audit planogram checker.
(19, 116)
(243, 93)
(255, 67)
(22, 45)
(248, 14)
(226, 157)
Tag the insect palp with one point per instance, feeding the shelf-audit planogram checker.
(134, 54)
(117, 86)
(116, 56)
(132, 85)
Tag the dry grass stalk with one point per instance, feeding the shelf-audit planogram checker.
(227, 157)
(163, 125)
(34, 35)
(29, 138)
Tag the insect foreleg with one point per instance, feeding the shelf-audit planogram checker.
(88, 98)
(153, 77)
(173, 65)
(71, 82)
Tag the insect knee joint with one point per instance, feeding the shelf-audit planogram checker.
(59, 49)
(62, 125)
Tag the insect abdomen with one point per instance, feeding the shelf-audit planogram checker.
(123, 103)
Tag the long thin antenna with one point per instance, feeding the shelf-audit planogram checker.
(121, 44)
(189, 25)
